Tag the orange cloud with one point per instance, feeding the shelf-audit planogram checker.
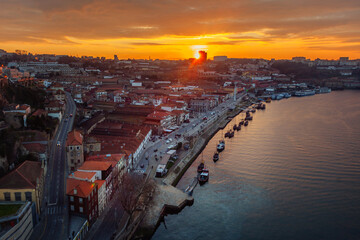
(168, 29)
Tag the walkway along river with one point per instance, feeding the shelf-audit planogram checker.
(293, 173)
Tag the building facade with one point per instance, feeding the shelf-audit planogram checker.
(74, 150)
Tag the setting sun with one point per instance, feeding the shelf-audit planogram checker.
(197, 55)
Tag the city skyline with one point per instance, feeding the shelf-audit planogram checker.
(177, 30)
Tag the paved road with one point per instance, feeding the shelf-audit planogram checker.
(55, 214)
(107, 223)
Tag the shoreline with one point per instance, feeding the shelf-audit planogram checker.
(149, 226)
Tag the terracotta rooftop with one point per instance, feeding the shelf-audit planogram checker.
(39, 112)
(74, 138)
(35, 147)
(83, 188)
(100, 183)
(82, 175)
(107, 157)
(95, 165)
(158, 115)
(23, 177)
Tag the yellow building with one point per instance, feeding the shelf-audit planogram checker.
(25, 183)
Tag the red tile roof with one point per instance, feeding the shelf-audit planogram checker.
(23, 177)
(74, 138)
(111, 158)
(100, 183)
(95, 165)
(107, 157)
(82, 175)
(158, 115)
(83, 188)
(35, 147)
(39, 112)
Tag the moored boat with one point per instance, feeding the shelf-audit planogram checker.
(200, 167)
(203, 177)
(304, 93)
(221, 146)
(246, 123)
(324, 90)
(231, 134)
(268, 100)
(216, 157)
(227, 134)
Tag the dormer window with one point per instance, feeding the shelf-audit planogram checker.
(75, 191)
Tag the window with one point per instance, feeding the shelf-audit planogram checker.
(78, 160)
(78, 148)
(81, 209)
(71, 148)
(72, 160)
(72, 208)
(7, 196)
(28, 196)
(78, 154)
(95, 208)
(93, 212)
(80, 200)
(18, 196)
(72, 154)
(89, 197)
(71, 198)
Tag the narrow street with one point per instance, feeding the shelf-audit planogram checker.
(54, 216)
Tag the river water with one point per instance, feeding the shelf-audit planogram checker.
(293, 173)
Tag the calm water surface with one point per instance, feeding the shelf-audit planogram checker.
(293, 173)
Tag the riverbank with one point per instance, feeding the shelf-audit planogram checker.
(169, 199)
(276, 180)
(200, 142)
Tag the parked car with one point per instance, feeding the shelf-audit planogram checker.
(58, 143)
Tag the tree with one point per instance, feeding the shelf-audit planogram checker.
(133, 190)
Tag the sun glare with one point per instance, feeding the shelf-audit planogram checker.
(197, 55)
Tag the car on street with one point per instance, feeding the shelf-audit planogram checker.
(58, 143)
(155, 150)
(167, 141)
(71, 115)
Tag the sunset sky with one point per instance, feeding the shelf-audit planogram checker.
(174, 29)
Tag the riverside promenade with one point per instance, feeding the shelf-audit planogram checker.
(173, 177)
(168, 199)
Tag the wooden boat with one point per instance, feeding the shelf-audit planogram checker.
(200, 167)
(216, 157)
(203, 177)
(221, 146)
